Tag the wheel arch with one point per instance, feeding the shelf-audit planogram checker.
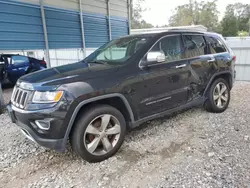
(95, 101)
(227, 75)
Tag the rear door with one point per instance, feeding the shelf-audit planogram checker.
(201, 63)
(18, 65)
(225, 59)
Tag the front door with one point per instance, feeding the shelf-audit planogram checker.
(167, 81)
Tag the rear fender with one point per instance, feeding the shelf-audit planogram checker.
(217, 75)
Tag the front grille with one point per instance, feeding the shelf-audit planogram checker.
(19, 97)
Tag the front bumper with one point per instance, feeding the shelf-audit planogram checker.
(46, 138)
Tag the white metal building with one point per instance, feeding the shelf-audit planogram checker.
(66, 28)
(241, 48)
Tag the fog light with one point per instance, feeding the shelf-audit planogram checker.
(43, 124)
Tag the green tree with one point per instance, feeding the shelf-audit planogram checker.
(249, 27)
(182, 15)
(236, 19)
(242, 33)
(136, 18)
(197, 13)
(229, 26)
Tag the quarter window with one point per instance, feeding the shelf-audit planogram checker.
(195, 45)
(216, 46)
(171, 46)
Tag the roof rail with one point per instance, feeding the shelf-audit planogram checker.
(164, 29)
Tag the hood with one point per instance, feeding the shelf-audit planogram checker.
(67, 73)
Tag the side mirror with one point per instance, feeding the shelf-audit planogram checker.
(154, 58)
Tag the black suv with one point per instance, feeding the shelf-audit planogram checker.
(124, 83)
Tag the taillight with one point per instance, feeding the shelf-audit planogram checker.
(43, 62)
(234, 58)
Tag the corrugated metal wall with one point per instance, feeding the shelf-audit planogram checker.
(21, 23)
(20, 26)
(119, 27)
(95, 37)
(63, 28)
(241, 48)
(118, 7)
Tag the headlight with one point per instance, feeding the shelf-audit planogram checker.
(47, 96)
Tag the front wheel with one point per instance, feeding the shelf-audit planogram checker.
(218, 96)
(99, 133)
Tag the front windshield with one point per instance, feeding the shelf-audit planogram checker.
(118, 51)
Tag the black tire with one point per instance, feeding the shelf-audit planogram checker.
(210, 104)
(77, 137)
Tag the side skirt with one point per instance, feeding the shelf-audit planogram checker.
(196, 102)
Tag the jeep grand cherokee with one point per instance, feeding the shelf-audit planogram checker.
(126, 82)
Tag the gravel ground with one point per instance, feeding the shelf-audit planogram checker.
(191, 149)
(7, 91)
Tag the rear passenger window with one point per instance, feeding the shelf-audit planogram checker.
(216, 46)
(194, 45)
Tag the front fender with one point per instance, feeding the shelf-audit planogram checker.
(81, 104)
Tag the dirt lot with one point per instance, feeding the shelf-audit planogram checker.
(7, 91)
(191, 149)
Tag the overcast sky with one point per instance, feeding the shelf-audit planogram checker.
(159, 11)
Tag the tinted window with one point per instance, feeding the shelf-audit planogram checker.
(194, 45)
(19, 60)
(171, 46)
(216, 46)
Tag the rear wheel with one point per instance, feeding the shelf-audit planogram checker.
(99, 133)
(218, 96)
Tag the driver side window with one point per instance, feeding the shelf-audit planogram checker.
(171, 46)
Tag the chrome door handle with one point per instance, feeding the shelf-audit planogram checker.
(180, 66)
(211, 60)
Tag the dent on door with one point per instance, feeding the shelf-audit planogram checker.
(202, 69)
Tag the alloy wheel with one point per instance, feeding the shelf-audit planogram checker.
(220, 95)
(102, 134)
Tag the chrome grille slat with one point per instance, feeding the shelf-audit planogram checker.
(26, 99)
(13, 94)
(21, 100)
(19, 97)
(15, 97)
